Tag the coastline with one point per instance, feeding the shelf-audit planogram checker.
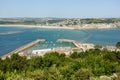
(38, 26)
(57, 27)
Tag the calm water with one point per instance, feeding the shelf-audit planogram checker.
(10, 42)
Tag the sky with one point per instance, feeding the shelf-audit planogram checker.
(60, 8)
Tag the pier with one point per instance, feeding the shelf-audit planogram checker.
(10, 32)
(22, 48)
(76, 44)
(80, 46)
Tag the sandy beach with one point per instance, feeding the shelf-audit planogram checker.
(57, 27)
(38, 26)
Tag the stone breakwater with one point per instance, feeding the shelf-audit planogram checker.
(22, 48)
(10, 32)
(69, 41)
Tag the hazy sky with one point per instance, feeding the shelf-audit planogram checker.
(60, 8)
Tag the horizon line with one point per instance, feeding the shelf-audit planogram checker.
(65, 17)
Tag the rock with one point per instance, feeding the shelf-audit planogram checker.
(105, 78)
(115, 76)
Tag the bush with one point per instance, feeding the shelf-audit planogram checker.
(83, 74)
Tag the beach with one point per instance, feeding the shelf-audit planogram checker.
(38, 26)
(63, 27)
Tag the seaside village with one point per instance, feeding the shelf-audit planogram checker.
(79, 47)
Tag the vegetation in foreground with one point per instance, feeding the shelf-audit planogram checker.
(89, 65)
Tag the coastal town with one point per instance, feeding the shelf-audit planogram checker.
(65, 23)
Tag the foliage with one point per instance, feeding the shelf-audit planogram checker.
(58, 66)
(98, 46)
(118, 45)
(107, 20)
(83, 74)
(15, 62)
(55, 21)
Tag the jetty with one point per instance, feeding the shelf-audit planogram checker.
(75, 43)
(10, 32)
(22, 48)
(78, 45)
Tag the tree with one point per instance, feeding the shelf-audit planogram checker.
(2, 76)
(15, 62)
(117, 46)
(83, 74)
(38, 75)
(35, 63)
(51, 58)
(98, 46)
(74, 55)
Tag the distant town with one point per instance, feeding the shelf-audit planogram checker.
(76, 23)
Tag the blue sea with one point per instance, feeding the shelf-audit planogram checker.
(9, 42)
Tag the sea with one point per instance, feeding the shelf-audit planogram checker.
(10, 42)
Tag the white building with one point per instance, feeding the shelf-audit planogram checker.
(41, 52)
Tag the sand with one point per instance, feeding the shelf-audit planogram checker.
(37, 26)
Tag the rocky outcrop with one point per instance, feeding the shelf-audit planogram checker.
(115, 76)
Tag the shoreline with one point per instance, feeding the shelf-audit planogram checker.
(56, 27)
(38, 26)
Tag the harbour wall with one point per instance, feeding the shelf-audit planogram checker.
(22, 48)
